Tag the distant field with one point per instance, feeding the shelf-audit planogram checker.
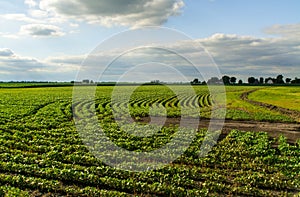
(143, 97)
(241, 109)
(33, 84)
(41, 152)
(286, 97)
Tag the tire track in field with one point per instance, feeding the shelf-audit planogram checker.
(27, 114)
(292, 113)
(274, 129)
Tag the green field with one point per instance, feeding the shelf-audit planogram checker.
(42, 153)
(279, 96)
(242, 110)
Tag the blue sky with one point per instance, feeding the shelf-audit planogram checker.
(48, 39)
(204, 18)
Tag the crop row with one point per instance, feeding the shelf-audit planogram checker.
(253, 178)
(41, 150)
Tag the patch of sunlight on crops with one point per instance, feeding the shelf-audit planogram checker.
(286, 97)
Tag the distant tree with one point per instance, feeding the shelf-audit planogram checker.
(251, 80)
(261, 80)
(214, 80)
(288, 80)
(226, 79)
(296, 81)
(240, 82)
(155, 81)
(233, 80)
(203, 83)
(195, 81)
(279, 79)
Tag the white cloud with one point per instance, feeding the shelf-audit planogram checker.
(74, 25)
(290, 30)
(6, 52)
(114, 12)
(8, 35)
(70, 60)
(246, 55)
(239, 56)
(16, 65)
(34, 16)
(44, 16)
(19, 17)
(20, 68)
(30, 3)
(38, 13)
(40, 30)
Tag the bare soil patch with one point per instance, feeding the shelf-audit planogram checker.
(274, 129)
(290, 130)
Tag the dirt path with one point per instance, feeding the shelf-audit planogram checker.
(274, 129)
(292, 113)
(290, 130)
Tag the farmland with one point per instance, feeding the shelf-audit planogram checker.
(42, 152)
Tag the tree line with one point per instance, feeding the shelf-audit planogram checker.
(231, 80)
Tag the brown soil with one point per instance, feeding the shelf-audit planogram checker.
(290, 130)
(274, 129)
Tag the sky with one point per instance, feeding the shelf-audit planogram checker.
(51, 40)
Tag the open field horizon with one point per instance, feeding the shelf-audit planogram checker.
(43, 153)
(149, 98)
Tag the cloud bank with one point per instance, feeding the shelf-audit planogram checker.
(40, 30)
(6, 52)
(240, 56)
(131, 13)
(290, 30)
(46, 18)
(247, 55)
(19, 68)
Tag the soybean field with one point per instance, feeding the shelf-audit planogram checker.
(42, 153)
